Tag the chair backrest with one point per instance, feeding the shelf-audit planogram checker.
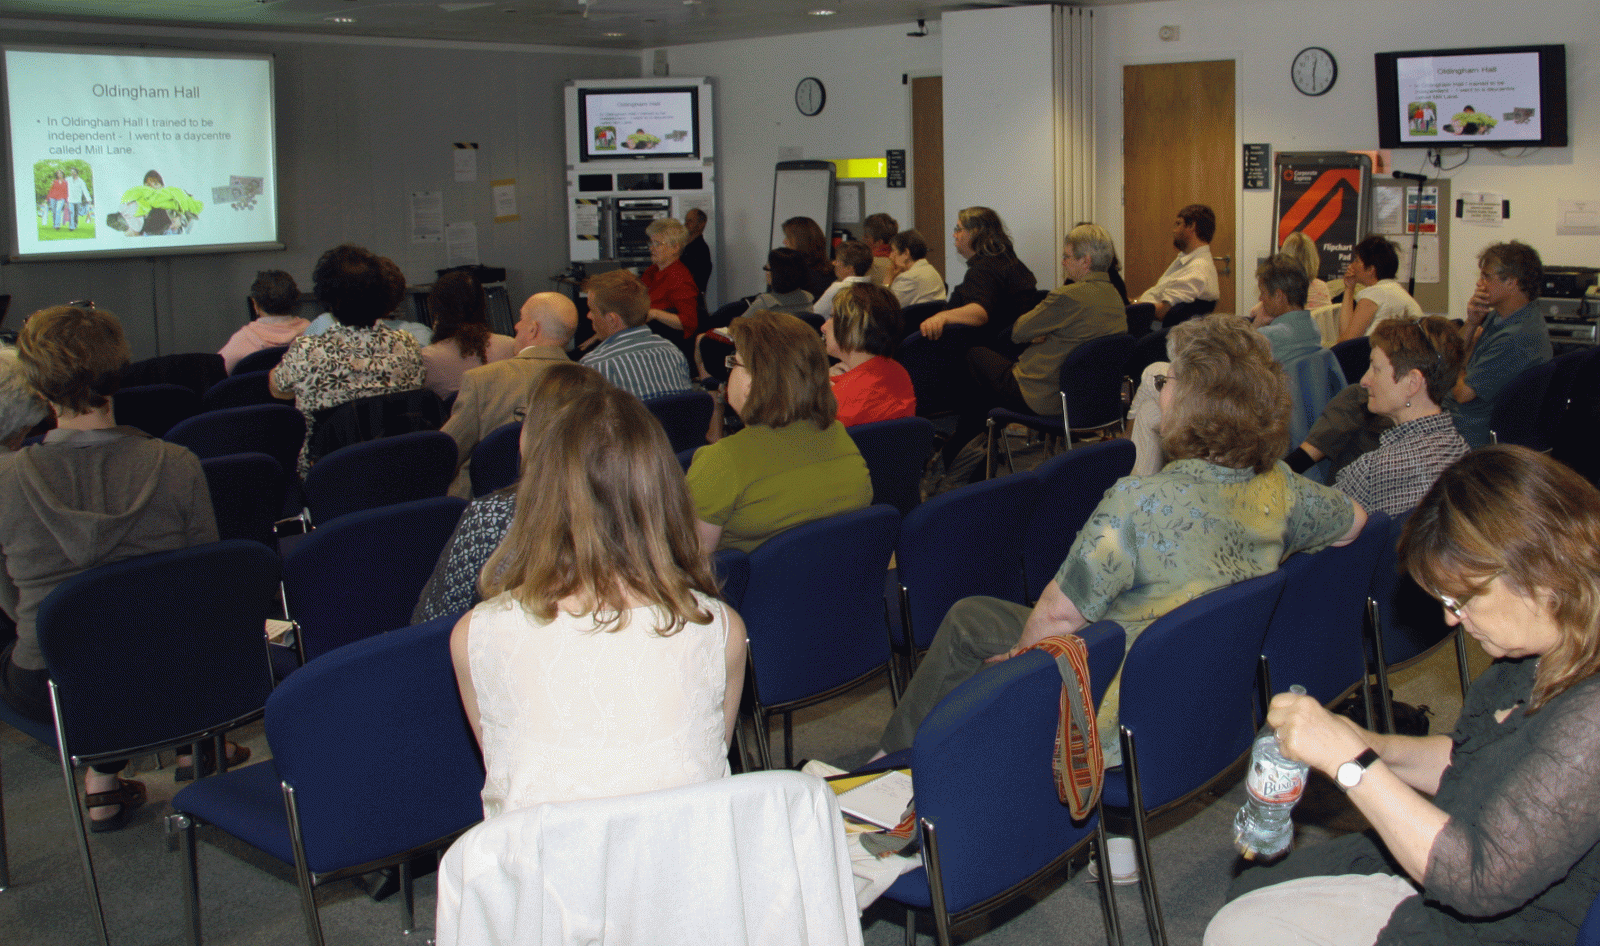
(814, 608)
(246, 495)
(1071, 485)
(1412, 619)
(1518, 411)
(981, 765)
(496, 460)
(1315, 636)
(1091, 379)
(155, 408)
(964, 543)
(153, 650)
(1354, 356)
(628, 870)
(685, 415)
(1589, 932)
(1149, 349)
(362, 575)
(1193, 309)
(380, 473)
(732, 568)
(239, 390)
(197, 371)
(274, 429)
(1141, 316)
(369, 418)
(1187, 692)
(386, 704)
(1314, 379)
(264, 360)
(896, 452)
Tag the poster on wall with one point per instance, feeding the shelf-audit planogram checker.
(1323, 195)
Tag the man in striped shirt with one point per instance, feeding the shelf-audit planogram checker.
(629, 355)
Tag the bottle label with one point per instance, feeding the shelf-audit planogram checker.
(1275, 784)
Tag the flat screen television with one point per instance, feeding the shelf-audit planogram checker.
(1504, 96)
(620, 124)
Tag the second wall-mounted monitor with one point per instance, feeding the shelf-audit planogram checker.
(647, 122)
(1509, 96)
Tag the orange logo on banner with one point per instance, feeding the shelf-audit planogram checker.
(1321, 204)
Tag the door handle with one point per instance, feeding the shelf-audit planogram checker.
(1224, 265)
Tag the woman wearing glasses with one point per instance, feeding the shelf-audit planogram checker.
(793, 462)
(1490, 834)
(1415, 362)
(674, 297)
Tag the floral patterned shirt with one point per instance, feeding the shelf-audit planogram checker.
(1156, 542)
(344, 364)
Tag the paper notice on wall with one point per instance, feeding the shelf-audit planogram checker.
(1578, 217)
(1427, 259)
(461, 244)
(1422, 210)
(466, 160)
(427, 217)
(505, 200)
(1388, 216)
(1483, 208)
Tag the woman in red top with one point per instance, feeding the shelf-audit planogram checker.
(868, 383)
(57, 198)
(674, 297)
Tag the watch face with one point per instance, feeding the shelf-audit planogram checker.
(809, 96)
(1349, 774)
(1314, 70)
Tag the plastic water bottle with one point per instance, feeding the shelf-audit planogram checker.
(1262, 829)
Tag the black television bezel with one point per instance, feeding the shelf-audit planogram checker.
(583, 121)
(1552, 97)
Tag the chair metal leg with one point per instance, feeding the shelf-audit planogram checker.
(1108, 901)
(911, 927)
(930, 863)
(788, 740)
(988, 452)
(302, 871)
(183, 826)
(5, 864)
(1141, 844)
(1263, 685)
(908, 642)
(1385, 700)
(1461, 662)
(763, 738)
(70, 775)
(408, 902)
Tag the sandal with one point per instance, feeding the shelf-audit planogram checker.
(128, 796)
(237, 755)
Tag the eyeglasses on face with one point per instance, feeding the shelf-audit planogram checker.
(732, 361)
(1162, 379)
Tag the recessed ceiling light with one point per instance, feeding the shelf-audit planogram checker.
(614, 35)
(822, 12)
(341, 19)
(692, 3)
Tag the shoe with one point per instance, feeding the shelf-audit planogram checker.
(237, 755)
(128, 797)
(1092, 875)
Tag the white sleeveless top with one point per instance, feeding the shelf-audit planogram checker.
(571, 713)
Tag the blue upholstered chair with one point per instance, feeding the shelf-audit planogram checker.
(362, 574)
(896, 452)
(496, 460)
(686, 416)
(1186, 712)
(379, 473)
(732, 568)
(1354, 356)
(238, 390)
(1070, 487)
(155, 408)
(992, 822)
(264, 360)
(153, 653)
(383, 705)
(1091, 386)
(246, 496)
(1313, 381)
(274, 429)
(814, 614)
(1407, 624)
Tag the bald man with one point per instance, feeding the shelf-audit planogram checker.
(497, 393)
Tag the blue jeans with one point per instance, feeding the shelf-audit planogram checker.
(57, 209)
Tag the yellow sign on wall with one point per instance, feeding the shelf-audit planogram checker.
(860, 168)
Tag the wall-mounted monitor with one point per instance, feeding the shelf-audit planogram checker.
(649, 122)
(1505, 96)
(138, 153)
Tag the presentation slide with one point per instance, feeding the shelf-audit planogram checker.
(133, 154)
(642, 122)
(1481, 98)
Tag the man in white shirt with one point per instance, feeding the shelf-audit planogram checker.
(1193, 275)
(77, 198)
(851, 263)
(912, 278)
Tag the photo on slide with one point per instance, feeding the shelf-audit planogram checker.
(63, 197)
(155, 208)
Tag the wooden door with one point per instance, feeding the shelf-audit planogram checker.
(1178, 149)
(927, 165)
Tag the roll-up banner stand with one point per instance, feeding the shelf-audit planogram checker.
(1323, 194)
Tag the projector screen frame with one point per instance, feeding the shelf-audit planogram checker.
(146, 247)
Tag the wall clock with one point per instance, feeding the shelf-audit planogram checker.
(1314, 70)
(810, 96)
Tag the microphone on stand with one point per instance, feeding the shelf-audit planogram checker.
(1408, 176)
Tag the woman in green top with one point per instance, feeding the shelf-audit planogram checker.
(793, 462)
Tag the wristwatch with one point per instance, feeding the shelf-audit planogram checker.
(1348, 775)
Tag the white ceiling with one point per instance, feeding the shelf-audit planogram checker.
(581, 23)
